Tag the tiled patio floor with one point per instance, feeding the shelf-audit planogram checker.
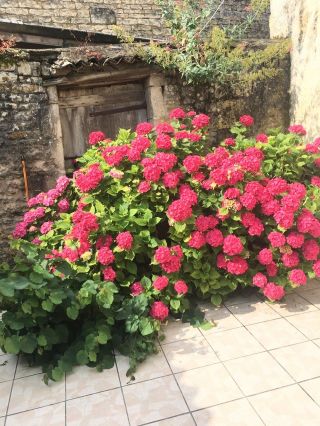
(259, 366)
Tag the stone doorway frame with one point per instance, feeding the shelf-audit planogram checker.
(154, 83)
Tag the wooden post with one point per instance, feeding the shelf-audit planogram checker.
(156, 106)
(54, 114)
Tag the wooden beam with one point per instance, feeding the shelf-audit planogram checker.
(117, 110)
(129, 73)
(34, 39)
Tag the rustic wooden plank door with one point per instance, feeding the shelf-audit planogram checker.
(108, 108)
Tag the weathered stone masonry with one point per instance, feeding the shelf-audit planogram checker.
(24, 132)
(140, 17)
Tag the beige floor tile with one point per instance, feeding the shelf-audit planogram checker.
(317, 342)
(252, 313)
(312, 387)
(154, 366)
(184, 420)
(289, 406)
(177, 330)
(5, 389)
(312, 296)
(235, 413)
(7, 367)
(187, 354)
(222, 318)
(207, 386)
(154, 400)
(84, 381)
(292, 304)
(246, 296)
(308, 324)
(24, 370)
(302, 361)
(101, 409)
(234, 344)
(31, 392)
(53, 415)
(276, 333)
(258, 373)
(2, 420)
(311, 284)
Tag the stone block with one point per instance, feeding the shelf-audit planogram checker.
(24, 68)
(7, 67)
(7, 77)
(102, 15)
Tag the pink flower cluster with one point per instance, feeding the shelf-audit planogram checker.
(48, 198)
(298, 129)
(235, 265)
(84, 223)
(29, 218)
(124, 240)
(159, 311)
(271, 290)
(90, 179)
(144, 128)
(181, 209)
(169, 258)
(246, 120)
(96, 137)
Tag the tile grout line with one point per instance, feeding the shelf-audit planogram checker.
(165, 418)
(307, 291)
(14, 380)
(179, 415)
(237, 357)
(275, 359)
(310, 396)
(175, 379)
(36, 408)
(9, 399)
(241, 324)
(299, 295)
(226, 402)
(245, 397)
(253, 353)
(122, 393)
(94, 393)
(286, 318)
(280, 316)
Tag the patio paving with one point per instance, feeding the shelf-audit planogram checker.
(260, 365)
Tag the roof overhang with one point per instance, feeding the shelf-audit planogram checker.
(38, 36)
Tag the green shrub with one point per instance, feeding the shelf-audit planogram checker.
(151, 220)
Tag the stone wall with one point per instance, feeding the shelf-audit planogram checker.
(27, 124)
(267, 102)
(141, 18)
(300, 20)
(25, 132)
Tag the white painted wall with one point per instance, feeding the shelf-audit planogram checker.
(300, 20)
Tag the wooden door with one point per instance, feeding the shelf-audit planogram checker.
(107, 108)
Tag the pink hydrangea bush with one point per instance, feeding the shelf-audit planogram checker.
(151, 219)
